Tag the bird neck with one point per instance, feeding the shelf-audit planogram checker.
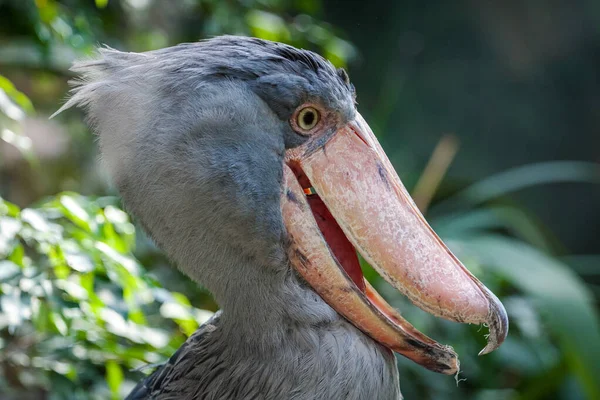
(276, 335)
(293, 342)
(266, 304)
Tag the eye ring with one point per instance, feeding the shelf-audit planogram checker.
(307, 118)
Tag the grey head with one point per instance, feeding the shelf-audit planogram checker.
(194, 138)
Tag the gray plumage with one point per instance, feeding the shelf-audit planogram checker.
(194, 137)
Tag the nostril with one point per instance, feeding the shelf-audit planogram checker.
(358, 133)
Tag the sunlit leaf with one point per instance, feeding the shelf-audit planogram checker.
(13, 309)
(129, 264)
(117, 325)
(76, 213)
(73, 289)
(79, 262)
(36, 220)
(175, 311)
(21, 100)
(8, 269)
(157, 338)
(202, 315)
(9, 227)
(10, 109)
(59, 323)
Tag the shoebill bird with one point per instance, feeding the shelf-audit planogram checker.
(248, 163)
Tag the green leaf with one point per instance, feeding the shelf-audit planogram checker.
(76, 213)
(514, 220)
(181, 299)
(59, 323)
(18, 255)
(101, 3)
(128, 263)
(560, 295)
(41, 317)
(87, 282)
(9, 209)
(338, 51)
(520, 178)
(114, 378)
(268, 26)
(11, 91)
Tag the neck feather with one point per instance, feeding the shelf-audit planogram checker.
(290, 344)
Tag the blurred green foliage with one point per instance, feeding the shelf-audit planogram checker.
(77, 307)
(84, 303)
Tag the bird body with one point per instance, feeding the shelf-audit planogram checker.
(330, 361)
(247, 162)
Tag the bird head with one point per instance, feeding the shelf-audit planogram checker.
(248, 154)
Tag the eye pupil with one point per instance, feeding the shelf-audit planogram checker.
(309, 118)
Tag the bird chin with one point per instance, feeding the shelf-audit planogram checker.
(361, 205)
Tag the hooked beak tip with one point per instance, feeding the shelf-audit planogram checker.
(497, 323)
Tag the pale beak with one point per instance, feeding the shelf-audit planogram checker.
(361, 205)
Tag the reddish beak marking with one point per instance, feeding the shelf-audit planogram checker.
(361, 204)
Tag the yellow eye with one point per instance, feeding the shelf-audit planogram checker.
(308, 118)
